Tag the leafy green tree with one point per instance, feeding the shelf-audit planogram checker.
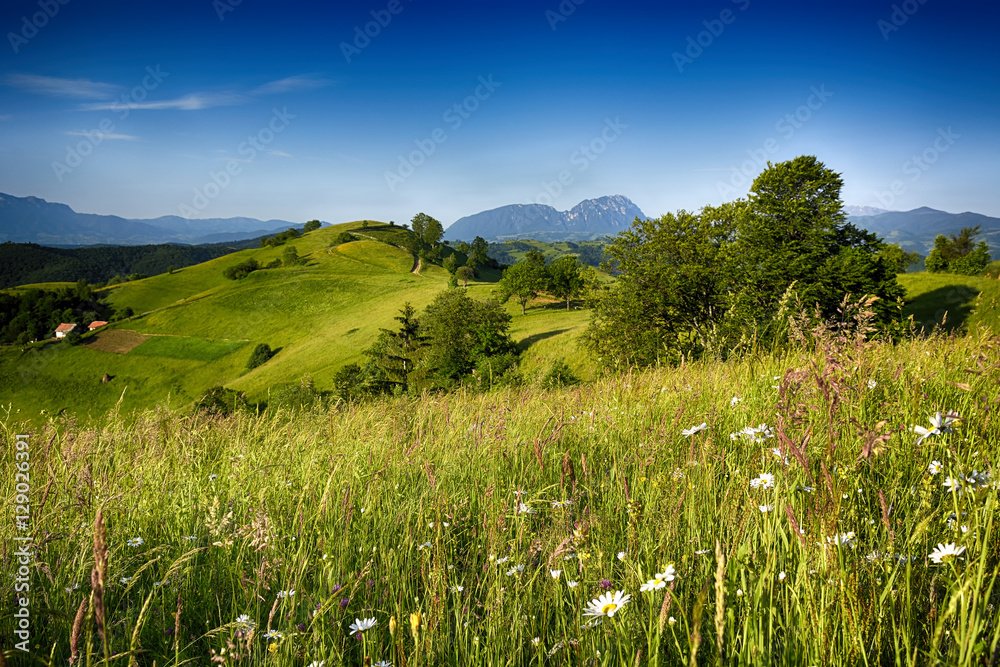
(478, 252)
(418, 224)
(462, 331)
(310, 226)
(395, 353)
(670, 293)
(898, 258)
(350, 382)
(465, 274)
(959, 253)
(433, 231)
(290, 256)
(260, 355)
(565, 279)
(793, 240)
(525, 280)
(221, 400)
(450, 263)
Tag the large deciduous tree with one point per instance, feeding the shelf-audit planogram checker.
(525, 280)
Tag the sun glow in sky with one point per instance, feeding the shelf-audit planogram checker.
(382, 108)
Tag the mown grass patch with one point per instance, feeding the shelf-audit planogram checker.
(187, 347)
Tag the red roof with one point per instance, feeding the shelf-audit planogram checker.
(65, 327)
(97, 323)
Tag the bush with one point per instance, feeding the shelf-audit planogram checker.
(497, 371)
(350, 383)
(72, 338)
(301, 396)
(260, 355)
(220, 400)
(559, 375)
(241, 270)
(344, 237)
(311, 225)
(273, 264)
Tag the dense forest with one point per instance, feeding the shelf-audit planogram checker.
(27, 263)
(34, 314)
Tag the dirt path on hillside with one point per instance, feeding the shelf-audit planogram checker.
(416, 267)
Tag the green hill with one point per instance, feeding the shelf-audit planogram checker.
(195, 329)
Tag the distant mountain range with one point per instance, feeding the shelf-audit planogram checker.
(916, 229)
(590, 219)
(34, 220)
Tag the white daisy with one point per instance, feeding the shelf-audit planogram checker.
(945, 552)
(694, 429)
(607, 605)
(360, 625)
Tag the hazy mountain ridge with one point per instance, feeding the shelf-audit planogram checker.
(591, 218)
(35, 220)
(916, 229)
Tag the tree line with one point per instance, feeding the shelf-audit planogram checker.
(34, 314)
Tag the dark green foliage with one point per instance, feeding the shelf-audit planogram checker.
(715, 282)
(72, 338)
(25, 263)
(220, 400)
(290, 256)
(279, 239)
(463, 330)
(344, 237)
(559, 375)
(497, 371)
(478, 253)
(241, 270)
(126, 313)
(310, 226)
(350, 383)
(395, 354)
(450, 263)
(34, 314)
(959, 254)
(899, 259)
(260, 355)
(273, 264)
(301, 396)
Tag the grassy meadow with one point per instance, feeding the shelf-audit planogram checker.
(778, 510)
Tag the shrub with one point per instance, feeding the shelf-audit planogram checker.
(559, 375)
(301, 396)
(241, 270)
(259, 356)
(497, 371)
(344, 237)
(220, 400)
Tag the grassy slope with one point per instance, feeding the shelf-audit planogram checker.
(319, 316)
(969, 301)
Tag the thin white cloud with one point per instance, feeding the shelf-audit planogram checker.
(55, 87)
(192, 102)
(291, 84)
(123, 137)
(280, 153)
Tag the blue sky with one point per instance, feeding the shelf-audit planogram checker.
(288, 110)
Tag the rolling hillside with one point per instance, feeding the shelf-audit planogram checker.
(196, 329)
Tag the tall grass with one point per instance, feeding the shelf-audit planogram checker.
(458, 522)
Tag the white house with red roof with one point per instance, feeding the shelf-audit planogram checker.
(64, 329)
(96, 324)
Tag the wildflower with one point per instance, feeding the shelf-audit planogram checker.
(807, 489)
(572, 584)
(161, 583)
(555, 573)
(765, 508)
(415, 621)
(382, 663)
(344, 602)
(213, 477)
(842, 539)
(671, 620)
(734, 400)
(135, 542)
(659, 580)
(317, 663)
(457, 589)
(558, 504)
(621, 555)
(607, 604)
(190, 538)
(605, 584)
(694, 429)
(244, 622)
(286, 594)
(524, 509)
(273, 634)
(125, 580)
(425, 545)
(701, 552)
(941, 424)
(517, 569)
(765, 481)
(945, 552)
(872, 384)
(739, 592)
(503, 560)
(536, 641)
(781, 576)
(954, 484)
(359, 625)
